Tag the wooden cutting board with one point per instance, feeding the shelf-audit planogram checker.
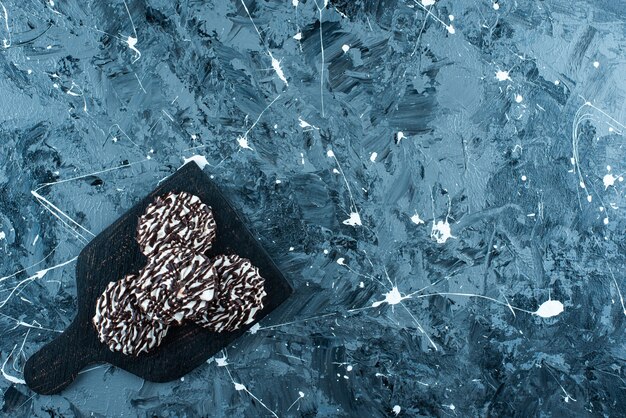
(115, 253)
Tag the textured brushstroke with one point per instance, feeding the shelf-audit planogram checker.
(453, 145)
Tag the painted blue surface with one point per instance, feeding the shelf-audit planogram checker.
(419, 180)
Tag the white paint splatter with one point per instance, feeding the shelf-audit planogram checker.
(255, 328)
(354, 219)
(549, 308)
(297, 36)
(608, 180)
(341, 261)
(502, 75)
(416, 219)
(239, 386)
(399, 137)
(330, 153)
(441, 231)
(393, 297)
(295, 3)
(519, 98)
(305, 124)
(373, 157)
(279, 71)
(6, 42)
(397, 408)
(7, 376)
(131, 41)
(596, 64)
(345, 48)
(2, 235)
(428, 2)
(221, 362)
(198, 159)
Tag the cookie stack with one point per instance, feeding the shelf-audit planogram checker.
(179, 283)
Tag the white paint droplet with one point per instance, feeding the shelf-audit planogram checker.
(596, 64)
(295, 3)
(399, 137)
(606, 221)
(496, 6)
(198, 159)
(441, 232)
(589, 198)
(132, 42)
(297, 36)
(239, 386)
(279, 71)
(416, 219)
(397, 409)
(608, 180)
(361, 285)
(354, 219)
(301, 394)
(549, 308)
(2, 235)
(428, 2)
(393, 297)
(330, 153)
(278, 181)
(519, 98)
(255, 328)
(341, 261)
(221, 362)
(524, 178)
(451, 29)
(243, 142)
(345, 48)
(373, 157)
(502, 75)
(349, 368)
(29, 71)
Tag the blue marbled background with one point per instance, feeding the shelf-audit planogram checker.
(351, 135)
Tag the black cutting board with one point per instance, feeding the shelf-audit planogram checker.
(115, 253)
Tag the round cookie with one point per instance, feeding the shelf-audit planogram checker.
(121, 325)
(174, 284)
(240, 289)
(176, 220)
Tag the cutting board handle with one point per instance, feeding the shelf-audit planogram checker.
(57, 364)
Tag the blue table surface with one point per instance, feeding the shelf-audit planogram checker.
(441, 182)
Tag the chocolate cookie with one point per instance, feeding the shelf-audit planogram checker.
(178, 220)
(174, 284)
(121, 324)
(240, 293)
